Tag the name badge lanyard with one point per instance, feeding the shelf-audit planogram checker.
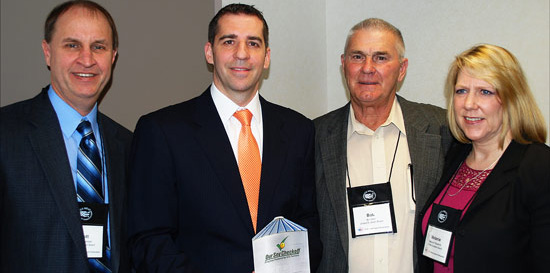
(371, 206)
(441, 228)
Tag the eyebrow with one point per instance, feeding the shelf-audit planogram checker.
(233, 36)
(357, 52)
(255, 38)
(363, 53)
(459, 85)
(74, 40)
(227, 36)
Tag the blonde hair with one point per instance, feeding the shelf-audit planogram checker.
(498, 67)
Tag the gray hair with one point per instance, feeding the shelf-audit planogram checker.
(378, 24)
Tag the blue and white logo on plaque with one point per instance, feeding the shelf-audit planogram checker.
(282, 246)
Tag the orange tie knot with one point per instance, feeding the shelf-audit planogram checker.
(244, 117)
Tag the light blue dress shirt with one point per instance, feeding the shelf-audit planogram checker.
(69, 119)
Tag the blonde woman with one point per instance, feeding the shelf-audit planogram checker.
(491, 209)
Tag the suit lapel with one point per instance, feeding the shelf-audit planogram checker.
(47, 141)
(274, 153)
(499, 176)
(453, 160)
(333, 148)
(114, 155)
(423, 148)
(212, 137)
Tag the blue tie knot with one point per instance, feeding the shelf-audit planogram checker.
(84, 128)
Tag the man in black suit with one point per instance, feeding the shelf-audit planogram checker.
(41, 173)
(189, 209)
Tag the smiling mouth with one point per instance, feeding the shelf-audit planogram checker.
(368, 82)
(240, 69)
(84, 75)
(473, 119)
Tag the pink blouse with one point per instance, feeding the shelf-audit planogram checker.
(457, 196)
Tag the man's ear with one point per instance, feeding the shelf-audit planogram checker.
(267, 59)
(403, 69)
(114, 56)
(208, 54)
(47, 51)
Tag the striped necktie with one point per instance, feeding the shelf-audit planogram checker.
(88, 183)
(250, 164)
(88, 167)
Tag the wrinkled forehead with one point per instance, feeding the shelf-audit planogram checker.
(372, 40)
(77, 15)
(75, 12)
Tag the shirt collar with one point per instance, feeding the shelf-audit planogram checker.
(226, 107)
(395, 117)
(68, 117)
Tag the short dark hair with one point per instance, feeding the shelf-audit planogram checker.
(237, 9)
(49, 26)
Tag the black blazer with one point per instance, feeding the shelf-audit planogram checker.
(40, 229)
(188, 210)
(507, 226)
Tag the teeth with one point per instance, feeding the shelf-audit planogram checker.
(473, 119)
(84, 74)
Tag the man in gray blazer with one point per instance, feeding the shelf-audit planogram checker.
(44, 209)
(367, 192)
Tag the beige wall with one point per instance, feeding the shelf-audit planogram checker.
(436, 31)
(161, 55)
(297, 74)
(162, 62)
(308, 38)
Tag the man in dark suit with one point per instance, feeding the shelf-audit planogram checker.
(41, 171)
(370, 144)
(193, 206)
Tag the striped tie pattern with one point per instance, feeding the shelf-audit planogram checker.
(88, 166)
(88, 182)
(250, 163)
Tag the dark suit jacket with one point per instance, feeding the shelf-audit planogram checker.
(40, 229)
(428, 137)
(188, 210)
(507, 226)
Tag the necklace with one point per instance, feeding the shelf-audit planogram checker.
(468, 179)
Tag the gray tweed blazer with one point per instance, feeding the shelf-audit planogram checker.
(429, 139)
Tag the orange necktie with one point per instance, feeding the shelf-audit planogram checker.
(250, 164)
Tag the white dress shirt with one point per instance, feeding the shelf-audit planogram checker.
(369, 155)
(226, 108)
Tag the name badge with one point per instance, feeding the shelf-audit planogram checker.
(371, 210)
(439, 234)
(93, 217)
(437, 244)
